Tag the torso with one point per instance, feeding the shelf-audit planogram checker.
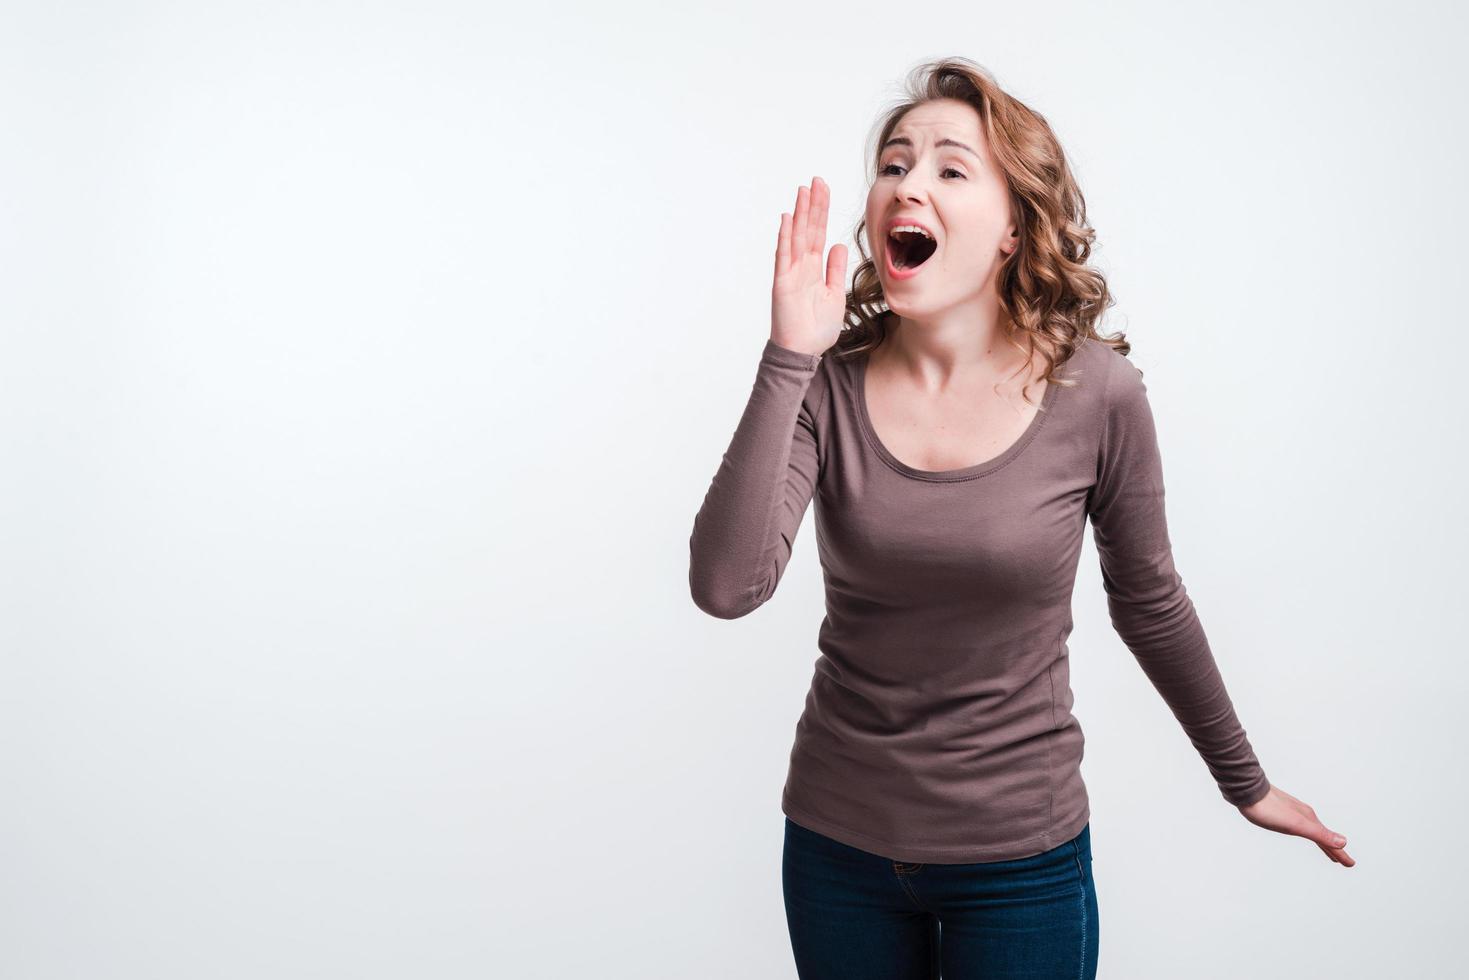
(971, 423)
(938, 726)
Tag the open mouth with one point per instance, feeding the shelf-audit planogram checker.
(910, 249)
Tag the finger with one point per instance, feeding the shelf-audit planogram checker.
(1338, 855)
(820, 206)
(1325, 837)
(783, 245)
(799, 241)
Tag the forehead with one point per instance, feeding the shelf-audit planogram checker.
(938, 119)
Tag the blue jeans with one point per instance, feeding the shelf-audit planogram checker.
(854, 915)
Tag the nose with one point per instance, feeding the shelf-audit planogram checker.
(911, 188)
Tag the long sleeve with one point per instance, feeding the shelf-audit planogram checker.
(1149, 606)
(745, 530)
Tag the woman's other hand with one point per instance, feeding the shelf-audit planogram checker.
(1284, 814)
(809, 299)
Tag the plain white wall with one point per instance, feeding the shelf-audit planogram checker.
(364, 367)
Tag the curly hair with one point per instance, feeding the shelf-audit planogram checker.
(1048, 295)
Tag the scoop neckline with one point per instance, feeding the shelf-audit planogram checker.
(971, 472)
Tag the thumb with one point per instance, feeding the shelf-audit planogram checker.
(836, 268)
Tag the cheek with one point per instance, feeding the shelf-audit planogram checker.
(873, 213)
(981, 228)
(873, 231)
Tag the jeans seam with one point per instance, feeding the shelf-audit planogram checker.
(1076, 853)
(902, 877)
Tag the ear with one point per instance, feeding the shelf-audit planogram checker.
(1013, 241)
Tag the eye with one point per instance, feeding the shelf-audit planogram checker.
(884, 171)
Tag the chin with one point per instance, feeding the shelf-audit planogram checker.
(910, 307)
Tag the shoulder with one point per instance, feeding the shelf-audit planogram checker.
(1116, 380)
(1116, 398)
(1102, 373)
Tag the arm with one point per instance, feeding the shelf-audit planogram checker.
(1149, 606)
(744, 532)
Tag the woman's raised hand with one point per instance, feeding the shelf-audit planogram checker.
(808, 303)
(1284, 814)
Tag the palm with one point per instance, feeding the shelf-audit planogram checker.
(808, 299)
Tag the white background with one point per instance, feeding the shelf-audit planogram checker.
(364, 366)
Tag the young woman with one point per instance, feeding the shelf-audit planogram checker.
(958, 420)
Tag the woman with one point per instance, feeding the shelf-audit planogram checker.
(956, 442)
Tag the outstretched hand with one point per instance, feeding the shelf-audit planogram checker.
(1284, 814)
(808, 301)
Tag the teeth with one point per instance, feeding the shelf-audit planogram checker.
(897, 228)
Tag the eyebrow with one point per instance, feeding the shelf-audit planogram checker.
(905, 141)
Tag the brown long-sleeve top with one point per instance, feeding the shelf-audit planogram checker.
(938, 725)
